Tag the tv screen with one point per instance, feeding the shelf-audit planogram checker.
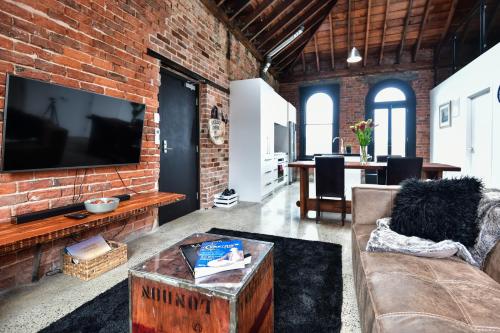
(47, 126)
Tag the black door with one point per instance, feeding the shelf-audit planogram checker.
(179, 137)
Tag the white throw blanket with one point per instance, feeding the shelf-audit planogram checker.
(383, 239)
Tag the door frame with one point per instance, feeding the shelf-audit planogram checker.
(196, 83)
(411, 112)
(469, 128)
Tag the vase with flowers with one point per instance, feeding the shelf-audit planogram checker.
(363, 131)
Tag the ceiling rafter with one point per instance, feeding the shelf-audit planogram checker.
(239, 10)
(382, 43)
(348, 29)
(220, 3)
(367, 34)
(257, 13)
(286, 20)
(303, 61)
(317, 13)
(332, 40)
(422, 28)
(312, 27)
(451, 13)
(291, 53)
(317, 54)
(300, 48)
(405, 30)
(281, 9)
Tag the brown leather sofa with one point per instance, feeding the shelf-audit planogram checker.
(402, 293)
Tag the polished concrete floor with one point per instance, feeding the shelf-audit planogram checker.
(33, 307)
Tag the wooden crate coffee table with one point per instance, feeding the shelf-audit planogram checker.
(165, 298)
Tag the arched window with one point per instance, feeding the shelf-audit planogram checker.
(391, 105)
(319, 124)
(319, 119)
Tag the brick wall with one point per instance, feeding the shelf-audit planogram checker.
(353, 91)
(100, 46)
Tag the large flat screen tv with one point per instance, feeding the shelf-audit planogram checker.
(47, 126)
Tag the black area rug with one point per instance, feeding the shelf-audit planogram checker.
(307, 286)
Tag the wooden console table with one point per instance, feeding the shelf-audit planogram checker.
(16, 237)
(429, 171)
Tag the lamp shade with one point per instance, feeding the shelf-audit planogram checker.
(354, 56)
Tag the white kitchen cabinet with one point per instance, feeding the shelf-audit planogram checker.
(254, 108)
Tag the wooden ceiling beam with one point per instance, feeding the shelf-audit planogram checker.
(257, 13)
(451, 13)
(280, 10)
(348, 29)
(239, 10)
(303, 61)
(220, 3)
(316, 14)
(422, 28)
(287, 20)
(292, 52)
(221, 15)
(368, 13)
(313, 26)
(332, 40)
(382, 44)
(317, 54)
(355, 71)
(405, 30)
(300, 48)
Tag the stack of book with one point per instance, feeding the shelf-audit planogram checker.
(207, 260)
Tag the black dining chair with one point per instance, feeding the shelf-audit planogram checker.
(381, 174)
(330, 181)
(401, 168)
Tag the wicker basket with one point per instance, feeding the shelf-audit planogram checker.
(89, 269)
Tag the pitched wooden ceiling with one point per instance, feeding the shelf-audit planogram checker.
(386, 32)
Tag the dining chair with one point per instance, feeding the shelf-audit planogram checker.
(401, 168)
(381, 174)
(330, 181)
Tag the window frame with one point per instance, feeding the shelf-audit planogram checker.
(411, 114)
(332, 90)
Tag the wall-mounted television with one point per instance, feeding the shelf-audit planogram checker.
(48, 126)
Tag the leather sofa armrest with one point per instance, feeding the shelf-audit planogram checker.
(492, 263)
(372, 202)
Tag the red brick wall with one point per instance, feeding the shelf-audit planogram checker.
(353, 91)
(100, 46)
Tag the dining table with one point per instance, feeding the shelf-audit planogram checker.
(429, 171)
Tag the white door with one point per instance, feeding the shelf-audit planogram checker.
(480, 134)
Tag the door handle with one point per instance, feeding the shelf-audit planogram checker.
(166, 148)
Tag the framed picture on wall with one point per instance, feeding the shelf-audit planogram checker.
(445, 115)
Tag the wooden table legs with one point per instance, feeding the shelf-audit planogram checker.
(304, 192)
(306, 203)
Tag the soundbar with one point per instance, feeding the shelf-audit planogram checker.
(46, 213)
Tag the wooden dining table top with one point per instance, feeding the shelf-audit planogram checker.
(376, 166)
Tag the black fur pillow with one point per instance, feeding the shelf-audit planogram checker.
(438, 209)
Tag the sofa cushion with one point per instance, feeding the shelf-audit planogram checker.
(438, 210)
(410, 293)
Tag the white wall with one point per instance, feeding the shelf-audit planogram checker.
(448, 145)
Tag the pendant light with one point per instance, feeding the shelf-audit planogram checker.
(354, 55)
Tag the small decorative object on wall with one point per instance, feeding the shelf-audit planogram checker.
(445, 115)
(216, 127)
(363, 131)
(498, 94)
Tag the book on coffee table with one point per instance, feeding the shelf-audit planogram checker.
(190, 254)
(219, 256)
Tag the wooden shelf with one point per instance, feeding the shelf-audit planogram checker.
(15, 237)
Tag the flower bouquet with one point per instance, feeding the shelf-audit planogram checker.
(363, 131)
